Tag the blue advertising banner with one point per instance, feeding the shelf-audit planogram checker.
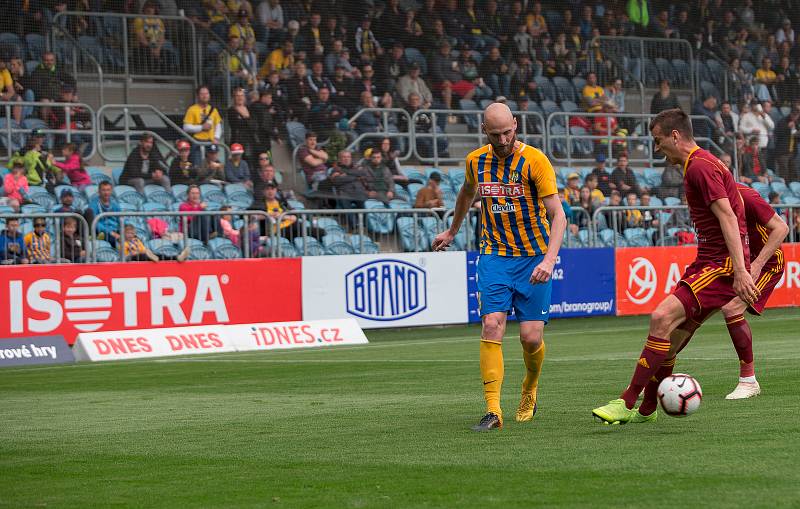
(34, 350)
(583, 284)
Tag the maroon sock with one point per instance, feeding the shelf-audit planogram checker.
(654, 353)
(650, 400)
(742, 339)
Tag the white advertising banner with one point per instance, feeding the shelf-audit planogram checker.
(387, 290)
(288, 335)
(143, 343)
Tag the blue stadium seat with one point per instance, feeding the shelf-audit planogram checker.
(671, 201)
(200, 253)
(652, 177)
(763, 189)
(637, 237)
(399, 204)
(212, 193)
(780, 187)
(295, 205)
(128, 194)
(682, 72)
(546, 88)
(795, 187)
(412, 235)
(569, 106)
(655, 201)
(309, 246)
(566, 92)
(179, 192)
(339, 248)
(107, 255)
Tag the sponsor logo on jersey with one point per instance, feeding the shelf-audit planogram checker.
(498, 190)
(499, 209)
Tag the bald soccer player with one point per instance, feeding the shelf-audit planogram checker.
(522, 227)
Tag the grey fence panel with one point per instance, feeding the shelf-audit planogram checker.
(56, 220)
(389, 123)
(183, 218)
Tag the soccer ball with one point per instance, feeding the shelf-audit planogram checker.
(680, 395)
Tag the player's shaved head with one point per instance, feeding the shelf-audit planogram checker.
(500, 127)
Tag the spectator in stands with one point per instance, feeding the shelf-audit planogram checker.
(788, 80)
(231, 63)
(728, 119)
(705, 128)
(66, 202)
(604, 182)
(324, 115)
(591, 183)
(199, 227)
(607, 125)
(390, 67)
(786, 140)
(423, 124)
(367, 82)
(368, 49)
(633, 218)
(671, 182)
(573, 189)
(754, 165)
(211, 170)
(523, 43)
(73, 167)
(494, 70)
(447, 79)
(412, 30)
(15, 186)
(585, 203)
(754, 121)
(309, 40)
(593, 94)
(280, 60)
(145, 165)
(237, 171)
(72, 248)
(12, 246)
(299, 93)
(616, 219)
(624, 178)
(150, 35)
(664, 99)
(332, 31)
(8, 91)
(348, 181)
(242, 27)
(431, 195)
(317, 79)
(391, 156)
(134, 249)
(413, 83)
(265, 172)
(288, 227)
(339, 56)
(182, 170)
(203, 122)
(343, 86)
(272, 22)
(379, 182)
(616, 95)
(649, 218)
(48, 78)
(38, 163)
(243, 125)
(312, 160)
(38, 242)
(367, 122)
(107, 227)
(269, 117)
(765, 80)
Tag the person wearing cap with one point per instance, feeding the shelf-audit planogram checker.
(412, 83)
(430, 196)
(237, 171)
(202, 121)
(38, 163)
(572, 191)
(150, 37)
(604, 183)
(182, 170)
(211, 170)
(367, 46)
(145, 165)
(242, 28)
(73, 166)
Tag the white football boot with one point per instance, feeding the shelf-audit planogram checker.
(745, 390)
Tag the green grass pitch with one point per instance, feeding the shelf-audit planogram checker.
(387, 425)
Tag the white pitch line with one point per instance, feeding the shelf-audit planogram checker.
(435, 361)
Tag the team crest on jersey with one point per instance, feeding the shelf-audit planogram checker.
(514, 177)
(499, 209)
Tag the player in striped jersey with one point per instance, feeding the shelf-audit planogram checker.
(37, 242)
(523, 224)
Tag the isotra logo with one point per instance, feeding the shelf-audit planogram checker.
(642, 281)
(386, 290)
(88, 302)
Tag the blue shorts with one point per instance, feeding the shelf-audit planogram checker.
(504, 284)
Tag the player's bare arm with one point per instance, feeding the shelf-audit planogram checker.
(778, 230)
(466, 196)
(558, 224)
(743, 283)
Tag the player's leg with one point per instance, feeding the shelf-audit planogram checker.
(494, 302)
(532, 306)
(742, 338)
(667, 316)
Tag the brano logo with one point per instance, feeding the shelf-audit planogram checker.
(642, 281)
(386, 290)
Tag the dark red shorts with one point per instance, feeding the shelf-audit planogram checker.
(766, 282)
(704, 288)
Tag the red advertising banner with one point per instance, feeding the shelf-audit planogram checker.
(646, 275)
(70, 299)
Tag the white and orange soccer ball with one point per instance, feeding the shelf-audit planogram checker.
(680, 395)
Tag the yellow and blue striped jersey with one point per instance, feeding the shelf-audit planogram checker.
(38, 246)
(511, 189)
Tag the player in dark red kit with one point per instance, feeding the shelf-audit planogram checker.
(719, 273)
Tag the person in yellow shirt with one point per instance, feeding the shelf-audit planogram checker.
(242, 28)
(572, 191)
(633, 218)
(278, 60)
(591, 183)
(765, 81)
(7, 91)
(593, 94)
(203, 122)
(150, 36)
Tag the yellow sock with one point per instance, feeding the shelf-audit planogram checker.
(533, 365)
(492, 374)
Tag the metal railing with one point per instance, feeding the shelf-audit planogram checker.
(710, 55)
(112, 44)
(616, 68)
(474, 119)
(78, 49)
(14, 134)
(56, 220)
(183, 226)
(131, 116)
(388, 129)
(211, 74)
(616, 220)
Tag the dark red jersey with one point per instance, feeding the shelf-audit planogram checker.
(707, 180)
(758, 213)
